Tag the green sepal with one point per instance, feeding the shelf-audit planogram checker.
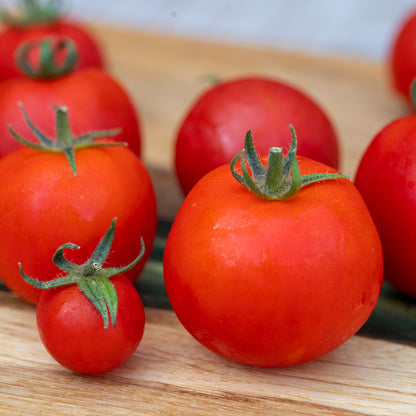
(281, 179)
(60, 260)
(32, 12)
(102, 294)
(47, 63)
(412, 92)
(91, 277)
(65, 142)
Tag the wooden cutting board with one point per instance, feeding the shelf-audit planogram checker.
(171, 374)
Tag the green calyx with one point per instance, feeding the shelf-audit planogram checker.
(91, 278)
(281, 179)
(48, 65)
(31, 12)
(65, 142)
(412, 92)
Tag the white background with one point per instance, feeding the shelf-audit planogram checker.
(355, 28)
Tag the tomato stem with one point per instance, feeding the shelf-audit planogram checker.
(32, 12)
(91, 278)
(281, 179)
(65, 142)
(50, 52)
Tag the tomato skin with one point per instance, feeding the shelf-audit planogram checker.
(11, 38)
(213, 131)
(402, 58)
(72, 330)
(272, 283)
(44, 205)
(386, 177)
(95, 101)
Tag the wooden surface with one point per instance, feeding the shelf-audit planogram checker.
(170, 373)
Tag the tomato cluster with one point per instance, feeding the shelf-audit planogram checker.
(70, 163)
(259, 282)
(271, 261)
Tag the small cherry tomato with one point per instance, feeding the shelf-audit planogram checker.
(90, 320)
(73, 333)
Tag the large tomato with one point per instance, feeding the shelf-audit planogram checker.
(95, 101)
(386, 177)
(34, 23)
(273, 282)
(210, 134)
(43, 205)
(402, 59)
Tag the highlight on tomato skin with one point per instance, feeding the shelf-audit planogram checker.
(211, 130)
(273, 282)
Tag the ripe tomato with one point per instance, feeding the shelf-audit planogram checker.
(73, 333)
(210, 134)
(94, 99)
(74, 313)
(43, 205)
(32, 25)
(273, 283)
(402, 60)
(386, 177)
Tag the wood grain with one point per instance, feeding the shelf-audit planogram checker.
(171, 374)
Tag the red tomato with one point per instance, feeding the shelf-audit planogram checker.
(14, 34)
(73, 333)
(94, 99)
(402, 58)
(44, 205)
(91, 318)
(210, 135)
(386, 177)
(273, 283)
